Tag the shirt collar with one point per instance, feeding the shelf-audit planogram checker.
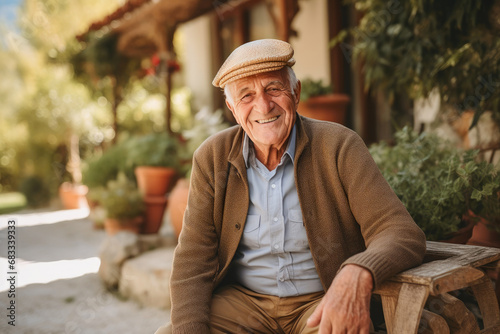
(249, 153)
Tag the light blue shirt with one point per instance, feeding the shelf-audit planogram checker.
(273, 256)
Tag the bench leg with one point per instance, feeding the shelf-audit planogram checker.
(487, 301)
(402, 313)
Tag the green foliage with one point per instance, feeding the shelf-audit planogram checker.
(50, 24)
(155, 149)
(311, 88)
(412, 47)
(437, 183)
(42, 103)
(141, 111)
(36, 191)
(11, 202)
(120, 198)
(99, 170)
(100, 59)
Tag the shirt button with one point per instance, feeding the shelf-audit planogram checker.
(275, 219)
(273, 186)
(282, 279)
(276, 246)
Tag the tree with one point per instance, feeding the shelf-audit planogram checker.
(43, 108)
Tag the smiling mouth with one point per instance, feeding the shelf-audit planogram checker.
(269, 120)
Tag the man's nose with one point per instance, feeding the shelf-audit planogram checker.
(263, 103)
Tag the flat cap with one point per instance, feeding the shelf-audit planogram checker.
(263, 55)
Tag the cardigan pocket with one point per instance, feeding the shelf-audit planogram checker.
(295, 233)
(250, 237)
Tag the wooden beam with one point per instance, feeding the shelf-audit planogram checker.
(284, 24)
(337, 61)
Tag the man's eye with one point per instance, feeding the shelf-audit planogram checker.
(274, 91)
(246, 98)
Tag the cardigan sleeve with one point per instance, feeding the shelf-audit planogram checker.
(393, 241)
(195, 257)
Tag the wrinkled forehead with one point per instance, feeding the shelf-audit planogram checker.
(259, 80)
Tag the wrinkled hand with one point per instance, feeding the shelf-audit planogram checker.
(345, 308)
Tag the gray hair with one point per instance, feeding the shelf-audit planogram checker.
(290, 76)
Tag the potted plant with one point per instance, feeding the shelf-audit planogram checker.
(97, 172)
(155, 161)
(318, 101)
(442, 187)
(123, 204)
(486, 231)
(154, 158)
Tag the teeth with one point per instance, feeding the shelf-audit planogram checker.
(263, 121)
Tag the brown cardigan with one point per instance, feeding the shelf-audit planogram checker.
(350, 213)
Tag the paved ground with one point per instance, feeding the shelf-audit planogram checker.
(57, 287)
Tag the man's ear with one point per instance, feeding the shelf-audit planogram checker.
(230, 107)
(297, 92)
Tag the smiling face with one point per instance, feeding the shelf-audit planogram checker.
(265, 107)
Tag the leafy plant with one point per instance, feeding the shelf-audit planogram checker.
(99, 170)
(156, 149)
(311, 88)
(437, 183)
(413, 47)
(120, 198)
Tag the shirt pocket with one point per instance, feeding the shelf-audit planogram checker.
(295, 233)
(251, 231)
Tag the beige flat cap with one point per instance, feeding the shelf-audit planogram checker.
(264, 55)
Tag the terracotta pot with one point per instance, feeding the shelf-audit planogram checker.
(462, 235)
(482, 235)
(154, 181)
(330, 108)
(177, 204)
(113, 226)
(73, 195)
(155, 208)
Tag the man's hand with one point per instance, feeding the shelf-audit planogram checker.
(345, 308)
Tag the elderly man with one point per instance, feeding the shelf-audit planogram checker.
(289, 224)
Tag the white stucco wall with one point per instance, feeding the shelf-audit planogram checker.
(196, 52)
(311, 45)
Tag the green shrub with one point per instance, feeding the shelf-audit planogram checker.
(437, 183)
(120, 198)
(36, 191)
(99, 170)
(311, 88)
(155, 149)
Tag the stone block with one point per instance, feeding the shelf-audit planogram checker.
(146, 278)
(148, 242)
(114, 251)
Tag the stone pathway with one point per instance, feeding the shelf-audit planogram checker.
(57, 289)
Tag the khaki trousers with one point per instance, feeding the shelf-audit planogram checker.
(236, 309)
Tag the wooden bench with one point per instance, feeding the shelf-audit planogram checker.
(447, 267)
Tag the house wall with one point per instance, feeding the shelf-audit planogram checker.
(196, 52)
(311, 44)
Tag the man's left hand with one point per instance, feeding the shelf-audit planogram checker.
(345, 308)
